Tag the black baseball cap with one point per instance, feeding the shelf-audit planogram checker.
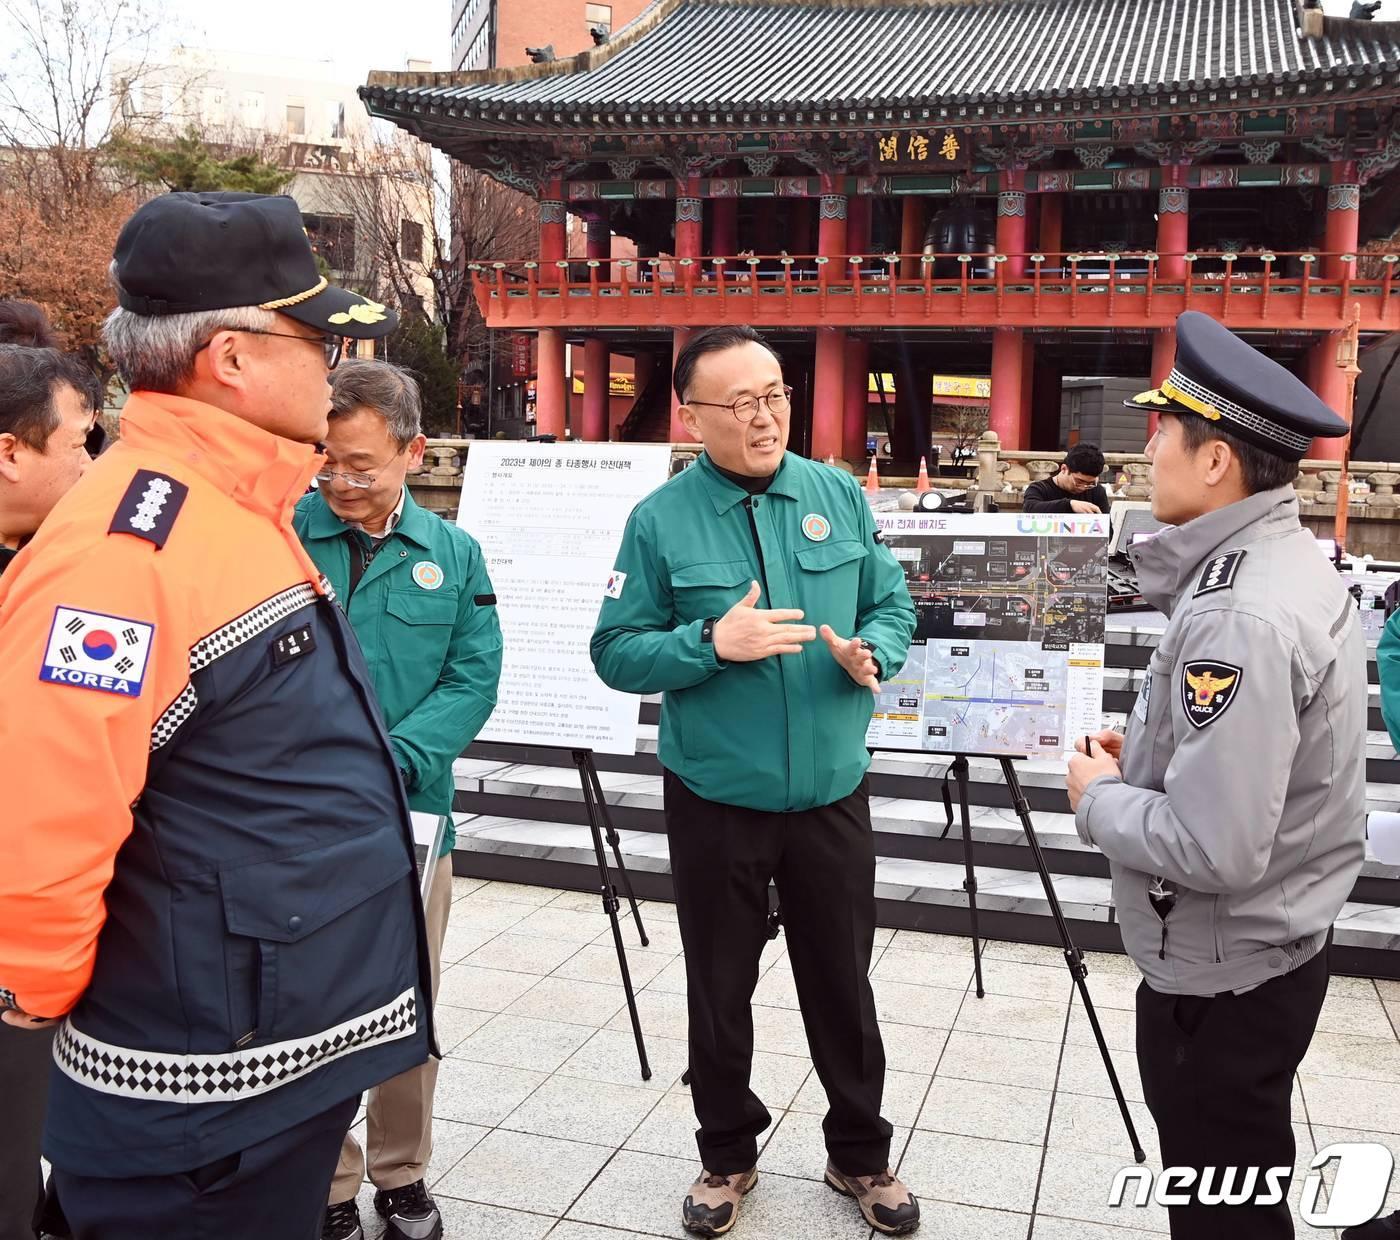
(1218, 377)
(184, 253)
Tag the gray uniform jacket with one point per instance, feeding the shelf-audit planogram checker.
(1238, 827)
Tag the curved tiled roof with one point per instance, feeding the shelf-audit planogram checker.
(794, 54)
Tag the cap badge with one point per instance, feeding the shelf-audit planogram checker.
(366, 312)
(428, 575)
(816, 527)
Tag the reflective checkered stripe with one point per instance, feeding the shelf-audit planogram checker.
(223, 641)
(231, 1077)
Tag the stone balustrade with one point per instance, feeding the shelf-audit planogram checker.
(1373, 514)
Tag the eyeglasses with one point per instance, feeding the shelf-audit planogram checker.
(360, 481)
(331, 346)
(745, 409)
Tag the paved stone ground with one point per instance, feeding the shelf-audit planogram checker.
(1005, 1126)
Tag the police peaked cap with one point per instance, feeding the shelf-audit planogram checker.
(1218, 377)
(184, 253)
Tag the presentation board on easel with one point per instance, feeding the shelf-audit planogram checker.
(549, 518)
(1008, 651)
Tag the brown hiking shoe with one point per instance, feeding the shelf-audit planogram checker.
(886, 1202)
(712, 1206)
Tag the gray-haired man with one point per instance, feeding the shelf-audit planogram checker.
(420, 601)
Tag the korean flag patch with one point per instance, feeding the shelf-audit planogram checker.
(1207, 689)
(616, 581)
(95, 651)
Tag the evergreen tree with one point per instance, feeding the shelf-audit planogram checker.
(417, 345)
(189, 163)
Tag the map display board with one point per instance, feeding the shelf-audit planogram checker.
(1008, 650)
(549, 518)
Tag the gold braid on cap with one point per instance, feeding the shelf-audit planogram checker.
(321, 285)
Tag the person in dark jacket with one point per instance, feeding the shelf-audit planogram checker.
(1075, 488)
(48, 403)
(209, 873)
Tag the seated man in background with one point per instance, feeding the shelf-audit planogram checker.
(418, 597)
(1075, 488)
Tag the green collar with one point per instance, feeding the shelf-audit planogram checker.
(414, 525)
(725, 495)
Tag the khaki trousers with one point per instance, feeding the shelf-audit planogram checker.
(400, 1111)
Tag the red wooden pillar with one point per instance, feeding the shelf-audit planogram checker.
(690, 243)
(551, 395)
(1163, 356)
(680, 336)
(829, 379)
(554, 237)
(856, 406)
(597, 361)
(1004, 416)
(1343, 214)
(1173, 224)
(1329, 381)
(1011, 222)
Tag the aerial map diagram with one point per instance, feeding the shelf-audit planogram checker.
(1007, 658)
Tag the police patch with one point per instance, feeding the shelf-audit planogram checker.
(149, 507)
(1219, 574)
(95, 651)
(1207, 689)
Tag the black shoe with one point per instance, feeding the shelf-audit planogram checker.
(409, 1212)
(1387, 1228)
(342, 1222)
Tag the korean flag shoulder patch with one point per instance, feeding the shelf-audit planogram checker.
(91, 650)
(1207, 689)
(1219, 573)
(149, 507)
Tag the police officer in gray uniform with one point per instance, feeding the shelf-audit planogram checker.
(1233, 811)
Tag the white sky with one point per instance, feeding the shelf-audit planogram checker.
(357, 35)
(360, 35)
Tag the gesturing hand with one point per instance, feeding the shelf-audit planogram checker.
(1085, 768)
(745, 633)
(858, 662)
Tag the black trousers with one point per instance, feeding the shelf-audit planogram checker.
(26, 1056)
(823, 862)
(275, 1190)
(1217, 1075)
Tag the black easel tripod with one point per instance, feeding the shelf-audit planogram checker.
(600, 825)
(1074, 958)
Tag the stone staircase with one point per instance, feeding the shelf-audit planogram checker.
(521, 818)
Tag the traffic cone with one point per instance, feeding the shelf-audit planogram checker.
(924, 484)
(872, 479)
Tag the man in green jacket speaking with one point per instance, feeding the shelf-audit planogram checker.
(754, 592)
(417, 594)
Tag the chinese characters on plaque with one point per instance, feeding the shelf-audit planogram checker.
(919, 148)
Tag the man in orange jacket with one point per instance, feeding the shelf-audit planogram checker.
(209, 875)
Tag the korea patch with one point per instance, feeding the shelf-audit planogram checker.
(615, 583)
(149, 507)
(1207, 689)
(96, 651)
(1219, 574)
(879, 536)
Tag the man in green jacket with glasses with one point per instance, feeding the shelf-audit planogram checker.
(754, 592)
(418, 596)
